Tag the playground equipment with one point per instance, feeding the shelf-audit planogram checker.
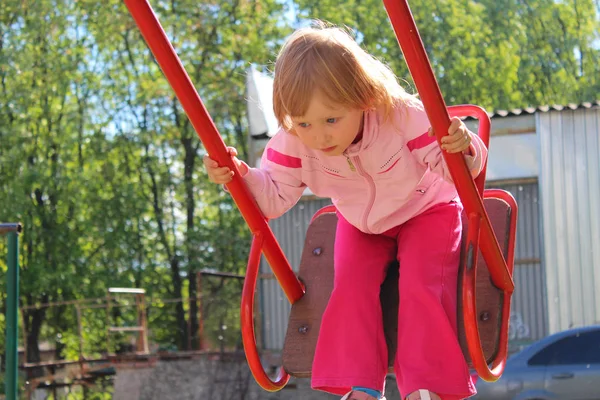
(141, 329)
(12, 304)
(489, 216)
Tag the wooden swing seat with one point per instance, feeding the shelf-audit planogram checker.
(316, 272)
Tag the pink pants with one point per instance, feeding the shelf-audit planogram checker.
(351, 350)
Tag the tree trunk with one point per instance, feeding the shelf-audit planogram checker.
(191, 244)
(33, 325)
(61, 326)
(179, 312)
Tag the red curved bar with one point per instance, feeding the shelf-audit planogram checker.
(327, 209)
(470, 311)
(247, 317)
(167, 58)
(469, 296)
(469, 110)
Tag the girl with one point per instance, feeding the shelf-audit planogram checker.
(349, 132)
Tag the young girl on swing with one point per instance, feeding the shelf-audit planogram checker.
(349, 132)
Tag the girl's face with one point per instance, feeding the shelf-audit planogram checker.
(328, 127)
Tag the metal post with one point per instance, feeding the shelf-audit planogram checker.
(79, 330)
(11, 379)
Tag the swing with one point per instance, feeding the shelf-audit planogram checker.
(485, 277)
(316, 273)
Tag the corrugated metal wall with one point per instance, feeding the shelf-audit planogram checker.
(570, 193)
(529, 319)
(290, 230)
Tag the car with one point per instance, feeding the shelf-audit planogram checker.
(565, 365)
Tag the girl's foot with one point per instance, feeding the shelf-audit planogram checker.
(357, 395)
(423, 394)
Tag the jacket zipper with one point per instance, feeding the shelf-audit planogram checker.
(357, 165)
(352, 168)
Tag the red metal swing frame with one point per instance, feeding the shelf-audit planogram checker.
(480, 233)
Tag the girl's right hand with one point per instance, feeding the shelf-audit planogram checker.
(223, 175)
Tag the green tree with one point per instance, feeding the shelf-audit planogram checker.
(497, 54)
(216, 44)
(43, 75)
(101, 165)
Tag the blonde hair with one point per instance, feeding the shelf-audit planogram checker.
(328, 59)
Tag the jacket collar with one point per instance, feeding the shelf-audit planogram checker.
(370, 133)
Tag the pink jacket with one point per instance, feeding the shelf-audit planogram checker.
(394, 173)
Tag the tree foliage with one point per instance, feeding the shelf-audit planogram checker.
(499, 54)
(101, 165)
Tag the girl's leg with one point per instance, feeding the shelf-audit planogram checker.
(351, 349)
(429, 356)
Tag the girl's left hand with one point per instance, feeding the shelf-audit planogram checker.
(458, 138)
